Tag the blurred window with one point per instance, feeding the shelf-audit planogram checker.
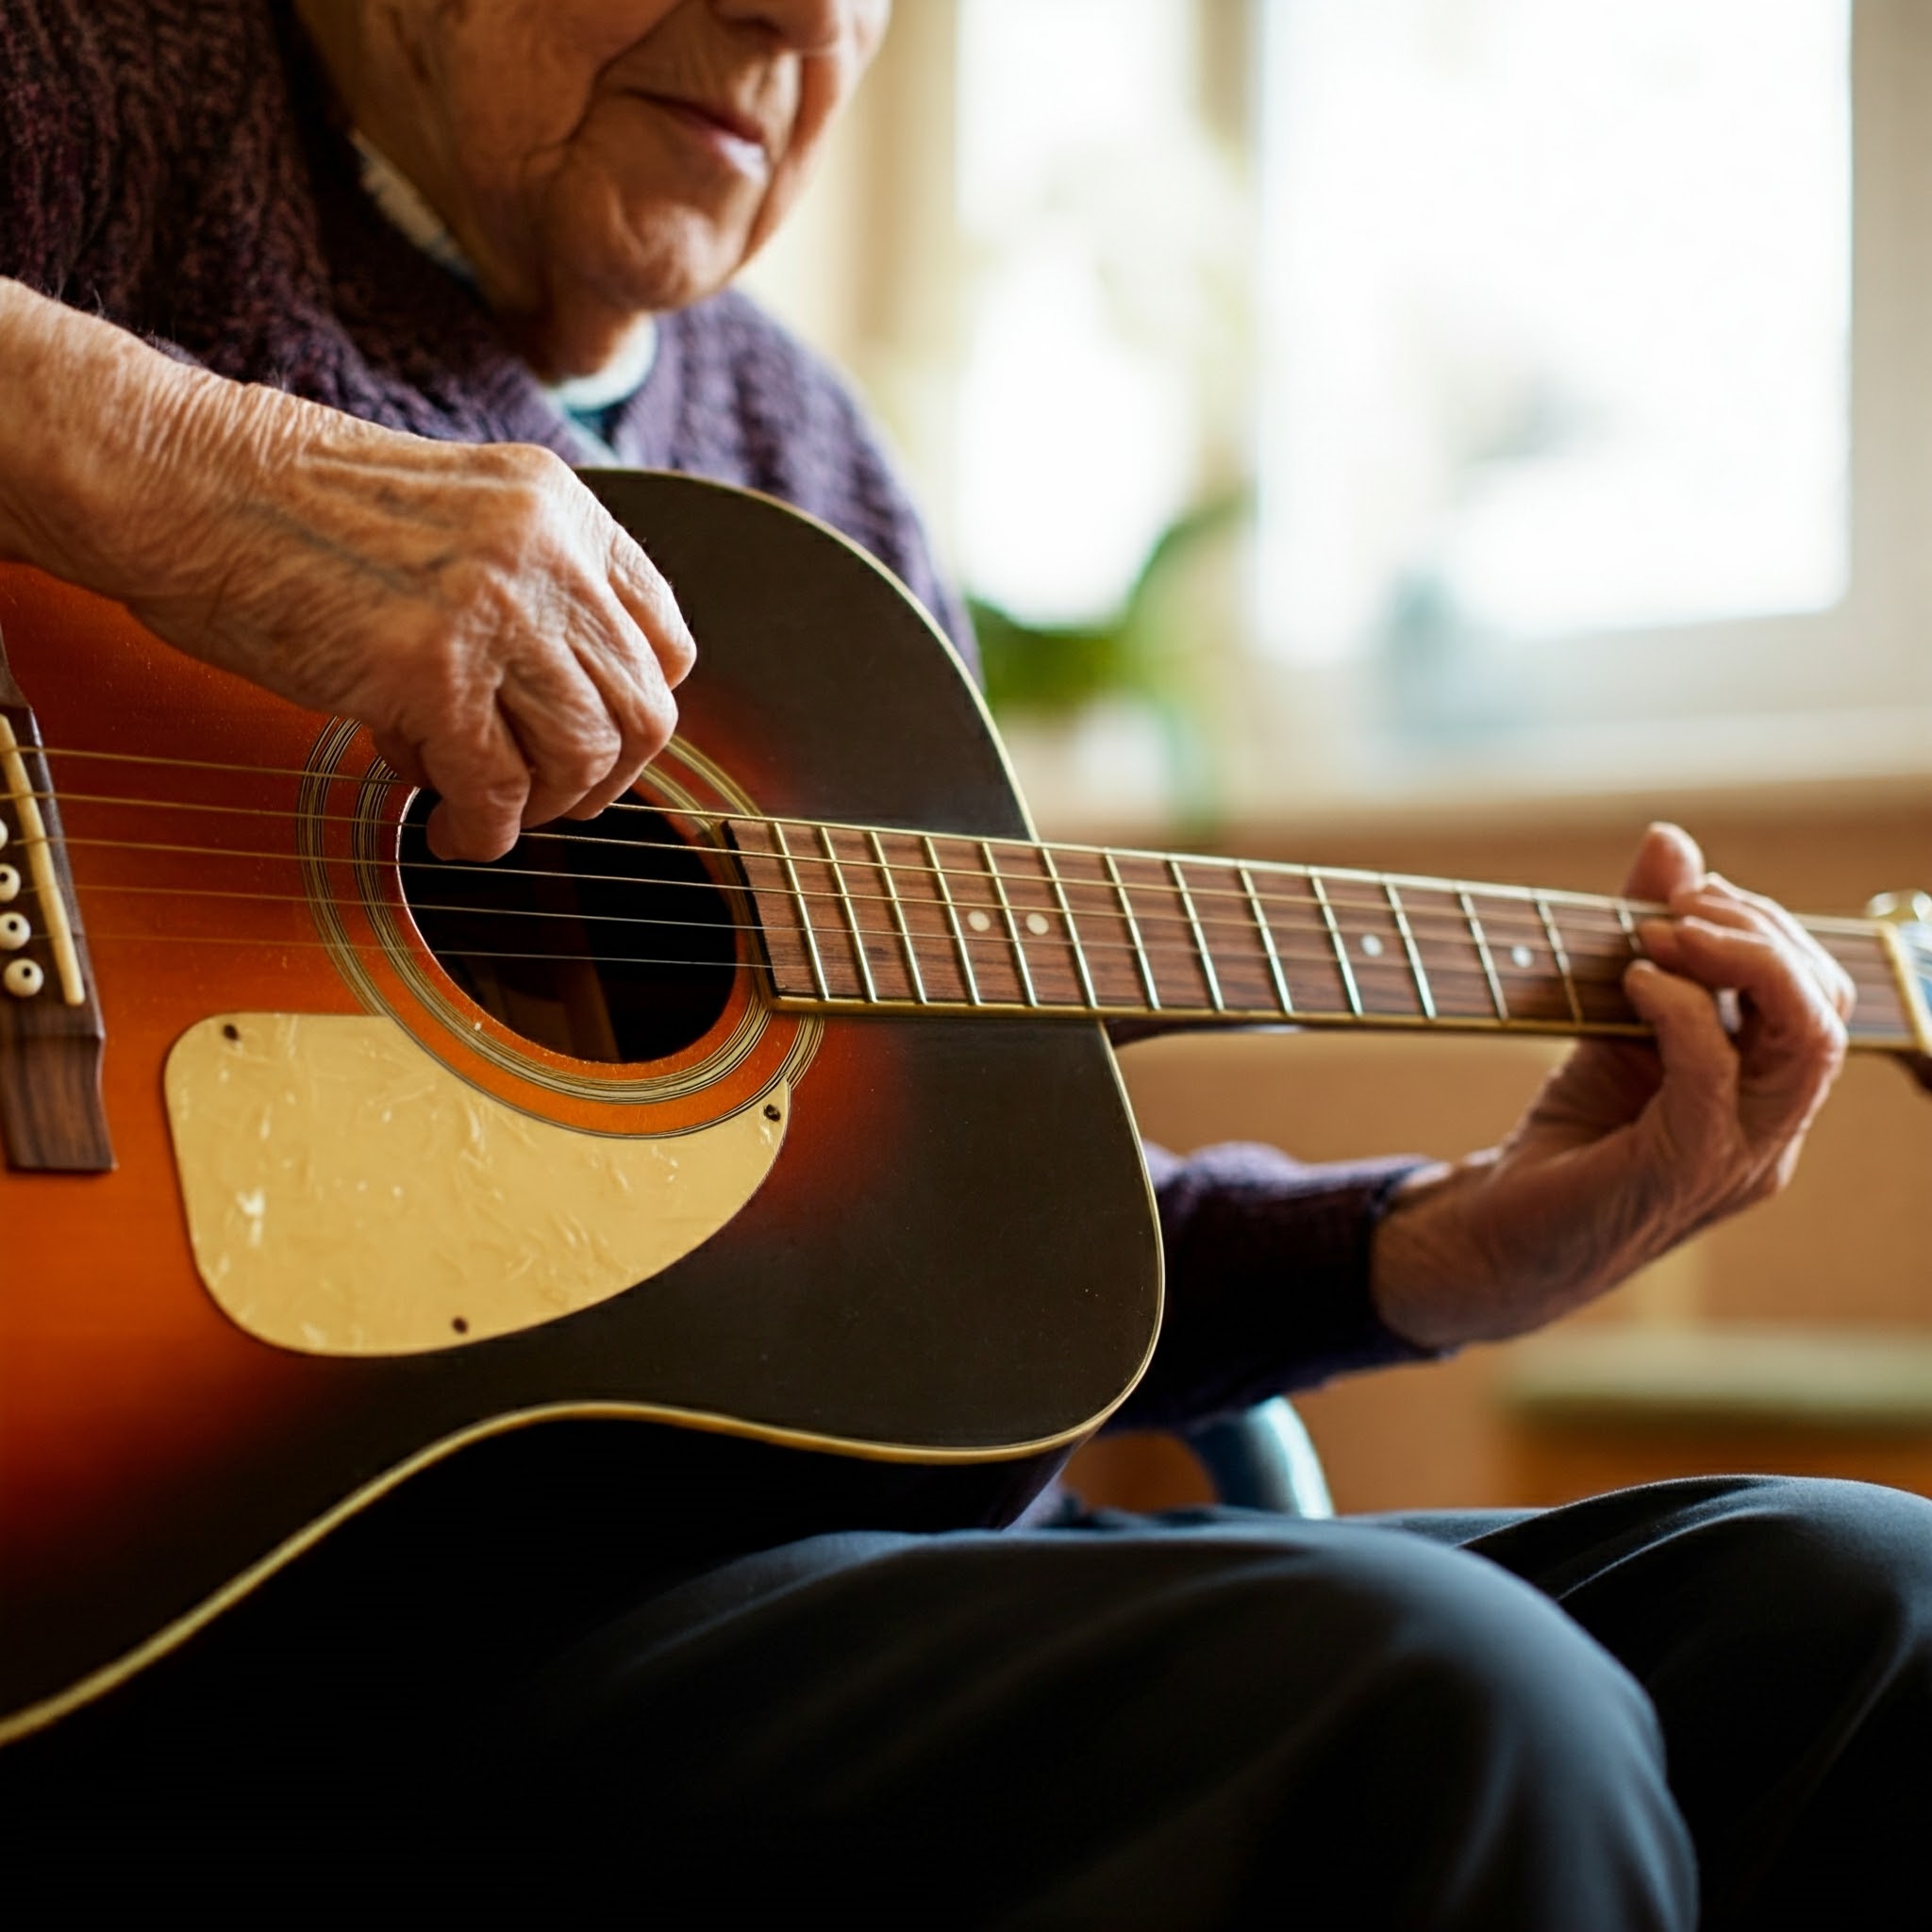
(1588, 449)
(1558, 297)
(1099, 240)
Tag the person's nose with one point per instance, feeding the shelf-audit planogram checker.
(805, 27)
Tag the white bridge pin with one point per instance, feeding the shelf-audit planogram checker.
(9, 885)
(23, 978)
(14, 931)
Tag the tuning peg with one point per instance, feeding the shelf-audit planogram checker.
(1901, 909)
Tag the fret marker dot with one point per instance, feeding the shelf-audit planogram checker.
(979, 921)
(1372, 945)
(1522, 955)
(1036, 922)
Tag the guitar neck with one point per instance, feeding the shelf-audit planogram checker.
(857, 918)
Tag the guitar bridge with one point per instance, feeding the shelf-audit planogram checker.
(52, 1034)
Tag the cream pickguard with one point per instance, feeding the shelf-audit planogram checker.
(348, 1195)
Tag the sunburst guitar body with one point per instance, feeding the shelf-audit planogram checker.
(385, 1156)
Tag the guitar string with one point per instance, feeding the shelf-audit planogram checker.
(1556, 898)
(1325, 955)
(1299, 922)
(1330, 946)
(1500, 904)
(1864, 1029)
(1331, 954)
(1444, 979)
(890, 942)
(1501, 909)
(1501, 894)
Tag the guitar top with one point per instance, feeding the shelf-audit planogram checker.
(387, 1156)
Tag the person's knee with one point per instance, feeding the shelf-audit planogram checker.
(1518, 1766)
(1844, 1561)
(1873, 1542)
(1504, 1676)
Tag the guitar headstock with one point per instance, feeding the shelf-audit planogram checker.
(1909, 915)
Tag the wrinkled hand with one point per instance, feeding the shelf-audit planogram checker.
(1631, 1147)
(508, 643)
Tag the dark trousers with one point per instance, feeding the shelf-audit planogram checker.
(1707, 1702)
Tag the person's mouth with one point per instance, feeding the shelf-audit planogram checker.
(734, 136)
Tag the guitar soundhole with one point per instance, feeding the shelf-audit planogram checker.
(608, 940)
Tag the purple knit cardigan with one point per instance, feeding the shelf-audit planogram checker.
(174, 166)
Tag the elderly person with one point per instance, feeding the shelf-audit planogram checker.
(306, 311)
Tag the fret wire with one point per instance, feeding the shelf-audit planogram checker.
(1280, 978)
(968, 977)
(1208, 973)
(811, 938)
(999, 885)
(1557, 954)
(914, 978)
(837, 871)
(1482, 947)
(1060, 892)
(1423, 994)
(1113, 872)
(1335, 940)
(1629, 925)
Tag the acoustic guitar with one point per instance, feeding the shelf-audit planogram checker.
(755, 1106)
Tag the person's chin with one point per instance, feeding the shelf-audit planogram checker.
(665, 257)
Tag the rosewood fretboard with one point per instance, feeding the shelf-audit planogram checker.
(856, 917)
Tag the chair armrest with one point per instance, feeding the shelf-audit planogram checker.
(1263, 1459)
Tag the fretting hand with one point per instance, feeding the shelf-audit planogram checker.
(1629, 1148)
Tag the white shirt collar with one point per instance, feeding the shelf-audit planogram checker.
(400, 199)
